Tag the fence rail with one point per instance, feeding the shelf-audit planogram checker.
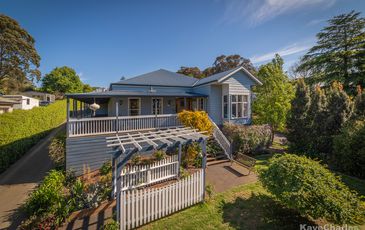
(222, 140)
(142, 175)
(138, 207)
(105, 125)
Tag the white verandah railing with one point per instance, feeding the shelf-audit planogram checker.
(138, 207)
(143, 175)
(222, 140)
(105, 125)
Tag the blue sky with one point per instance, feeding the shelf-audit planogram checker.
(105, 40)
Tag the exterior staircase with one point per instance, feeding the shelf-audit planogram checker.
(225, 153)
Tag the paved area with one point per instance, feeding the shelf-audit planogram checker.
(91, 219)
(225, 176)
(21, 178)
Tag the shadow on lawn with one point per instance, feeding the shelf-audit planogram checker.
(261, 212)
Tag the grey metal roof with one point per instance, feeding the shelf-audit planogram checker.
(116, 93)
(160, 77)
(215, 77)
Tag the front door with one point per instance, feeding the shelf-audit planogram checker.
(157, 106)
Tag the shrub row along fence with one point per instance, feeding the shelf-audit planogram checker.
(138, 207)
(22, 129)
(135, 176)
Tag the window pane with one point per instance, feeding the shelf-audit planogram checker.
(240, 98)
(245, 98)
(225, 110)
(239, 109)
(134, 107)
(245, 109)
(233, 98)
(201, 104)
(234, 110)
(225, 98)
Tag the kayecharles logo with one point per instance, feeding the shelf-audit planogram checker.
(328, 227)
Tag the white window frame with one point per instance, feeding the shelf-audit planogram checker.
(198, 101)
(229, 106)
(139, 106)
(160, 98)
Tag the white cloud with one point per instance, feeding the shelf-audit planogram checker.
(316, 22)
(292, 49)
(257, 11)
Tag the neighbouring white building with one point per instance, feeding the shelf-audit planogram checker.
(22, 102)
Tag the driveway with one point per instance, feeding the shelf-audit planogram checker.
(21, 178)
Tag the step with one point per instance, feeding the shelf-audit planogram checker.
(217, 162)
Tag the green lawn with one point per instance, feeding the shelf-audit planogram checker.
(244, 207)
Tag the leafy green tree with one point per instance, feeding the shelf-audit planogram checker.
(223, 63)
(340, 52)
(297, 121)
(274, 96)
(86, 88)
(191, 71)
(311, 189)
(62, 80)
(19, 60)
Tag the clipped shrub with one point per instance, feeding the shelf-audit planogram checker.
(249, 140)
(22, 129)
(308, 187)
(349, 149)
(197, 120)
(57, 150)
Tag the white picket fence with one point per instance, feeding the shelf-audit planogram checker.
(138, 207)
(142, 175)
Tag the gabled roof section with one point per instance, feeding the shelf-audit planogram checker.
(160, 77)
(219, 77)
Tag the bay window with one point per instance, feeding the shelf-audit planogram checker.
(238, 106)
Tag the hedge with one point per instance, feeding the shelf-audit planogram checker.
(22, 129)
(251, 140)
(310, 188)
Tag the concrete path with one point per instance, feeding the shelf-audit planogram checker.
(21, 178)
(225, 176)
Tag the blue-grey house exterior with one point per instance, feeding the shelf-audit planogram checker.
(151, 101)
(226, 96)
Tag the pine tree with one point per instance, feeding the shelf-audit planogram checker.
(317, 115)
(339, 54)
(359, 106)
(297, 121)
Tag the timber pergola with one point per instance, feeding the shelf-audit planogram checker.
(127, 144)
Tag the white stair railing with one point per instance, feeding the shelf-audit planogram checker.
(222, 140)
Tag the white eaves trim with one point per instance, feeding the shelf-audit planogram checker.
(244, 70)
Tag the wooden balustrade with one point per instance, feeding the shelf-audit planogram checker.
(105, 125)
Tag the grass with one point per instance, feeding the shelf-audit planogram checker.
(246, 207)
(243, 207)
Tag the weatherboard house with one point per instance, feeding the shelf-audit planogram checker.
(150, 101)
(139, 116)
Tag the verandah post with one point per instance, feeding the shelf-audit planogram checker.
(67, 117)
(116, 116)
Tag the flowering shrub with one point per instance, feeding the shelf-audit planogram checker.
(197, 120)
(249, 140)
